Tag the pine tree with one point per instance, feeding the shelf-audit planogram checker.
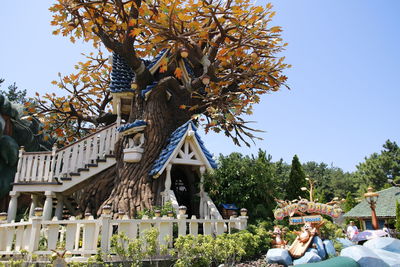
(349, 203)
(297, 180)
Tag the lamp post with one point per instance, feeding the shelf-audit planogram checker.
(372, 197)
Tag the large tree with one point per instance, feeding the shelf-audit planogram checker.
(379, 167)
(297, 180)
(230, 43)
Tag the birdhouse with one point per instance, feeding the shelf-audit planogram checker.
(134, 142)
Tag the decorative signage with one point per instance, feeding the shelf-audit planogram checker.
(305, 219)
(305, 206)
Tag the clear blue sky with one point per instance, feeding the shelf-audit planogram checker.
(343, 102)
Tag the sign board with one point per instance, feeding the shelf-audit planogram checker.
(305, 206)
(305, 219)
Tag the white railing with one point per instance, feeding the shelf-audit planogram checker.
(210, 210)
(45, 166)
(169, 195)
(80, 237)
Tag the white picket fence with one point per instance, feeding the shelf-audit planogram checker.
(44, 167)
(83, 237)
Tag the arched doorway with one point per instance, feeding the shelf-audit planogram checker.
(184, 183)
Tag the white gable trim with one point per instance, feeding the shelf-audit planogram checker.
(190, 138)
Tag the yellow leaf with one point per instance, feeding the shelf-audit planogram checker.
(135, 32)
(183, 16)
(276, 29)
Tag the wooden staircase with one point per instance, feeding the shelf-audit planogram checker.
(62, 170)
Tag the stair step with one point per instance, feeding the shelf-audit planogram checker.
(74, 174)
(101, 160)
(110, 156)
(83, 169)
(91, 165)
(66, 178)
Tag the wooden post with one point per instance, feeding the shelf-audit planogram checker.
(193, 226)
(12, 206)
(48, 205)
(52, 234)
(34, 204)
(168, 181)
(243, 222)
(59, 206)
(105, 232)
(35, 234)
(70, 235)
(53, 163)
(201, 209)
(182, 224)
(19, 175)
(3, 231)
(19, 237)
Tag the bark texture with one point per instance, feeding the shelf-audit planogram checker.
(133, 189)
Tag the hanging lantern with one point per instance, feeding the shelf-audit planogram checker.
(184, 52)
(205, 79)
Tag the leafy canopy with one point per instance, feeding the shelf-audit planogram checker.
(230, 42)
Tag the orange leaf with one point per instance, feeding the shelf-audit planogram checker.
(178, 73)
(135, 32)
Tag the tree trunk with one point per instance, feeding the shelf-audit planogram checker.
(133, 189)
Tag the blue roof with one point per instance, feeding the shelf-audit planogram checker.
(128, 126)
(173, 141)
(121, 75)
(229, 206)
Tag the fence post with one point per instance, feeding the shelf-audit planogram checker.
(3, 219)
(12, 206)
(35, 231)
(182, 220)
(243, 219)
(105, 228)
(48, 205)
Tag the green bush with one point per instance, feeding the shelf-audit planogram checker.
(224, 249)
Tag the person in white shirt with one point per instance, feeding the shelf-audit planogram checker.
(386, 229)
(352, 230)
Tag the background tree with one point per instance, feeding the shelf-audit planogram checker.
(297, 180)
(349, 203)
(397, 225)
(379, 167)
(13, 94)
(331, 181)
(247, 181)
(229, 43)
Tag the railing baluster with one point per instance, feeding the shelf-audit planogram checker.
(94, 154)
(45, 166)
(74, 158)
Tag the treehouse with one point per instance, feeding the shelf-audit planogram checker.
(53, 178)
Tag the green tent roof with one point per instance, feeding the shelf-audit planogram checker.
(385, 207)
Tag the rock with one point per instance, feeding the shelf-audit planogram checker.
(312, 250)
(345, 242)
(308, 258)
(363, 256)
(317, 241)
(391, 258)
(385, 243)
(278, 255)
(333, 262)
(329, 248)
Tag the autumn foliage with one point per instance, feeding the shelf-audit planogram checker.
(231, 43)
